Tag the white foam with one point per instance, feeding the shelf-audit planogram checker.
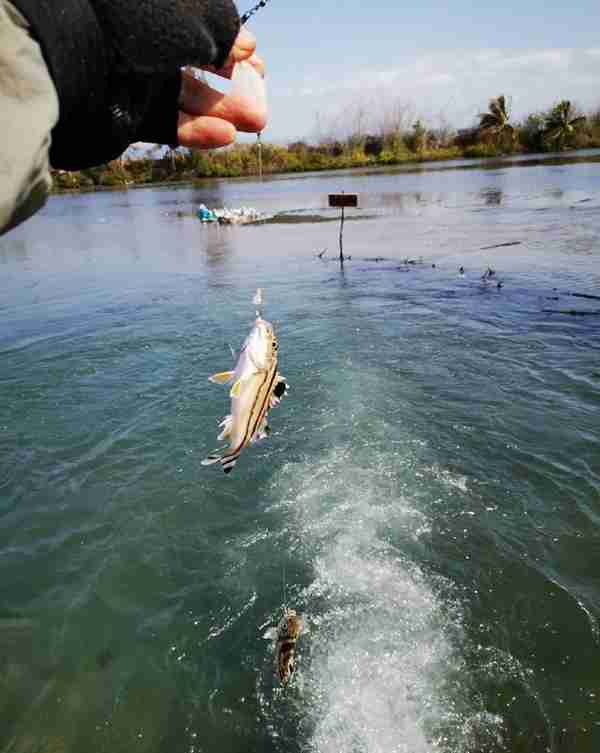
(374, 660)
(374, 654)
(385, 666)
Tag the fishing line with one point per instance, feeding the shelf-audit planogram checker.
(249, 13)
(246, 16)
(284, 589)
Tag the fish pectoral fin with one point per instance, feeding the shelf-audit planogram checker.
(270, 634)
(222, 377)
(235, 390)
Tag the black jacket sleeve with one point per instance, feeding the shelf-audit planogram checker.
(116, 67)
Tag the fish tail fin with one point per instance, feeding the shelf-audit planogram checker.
(227, 461)
(212, 458)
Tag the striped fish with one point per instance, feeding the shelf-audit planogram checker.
(256, 388)
(284, 638)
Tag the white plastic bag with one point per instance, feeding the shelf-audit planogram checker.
(247, 82)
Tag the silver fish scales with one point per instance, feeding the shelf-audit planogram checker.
(257, 387)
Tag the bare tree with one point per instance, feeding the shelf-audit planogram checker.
(443, 131)
(357, 115)
(378, 115)
(395, 116)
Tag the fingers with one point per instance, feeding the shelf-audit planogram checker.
(258, 64)
(243, 49)
(209, 119)
(198, 99)
(204, 132)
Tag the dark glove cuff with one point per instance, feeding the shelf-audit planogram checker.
(139, 108)
(116, 67)
(162, 115)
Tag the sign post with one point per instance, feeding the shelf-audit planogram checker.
(342, 200)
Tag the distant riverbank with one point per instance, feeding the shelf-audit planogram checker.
(559, 129)
(236, 163)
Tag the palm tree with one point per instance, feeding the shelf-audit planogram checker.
(496, 122)
(560, 124)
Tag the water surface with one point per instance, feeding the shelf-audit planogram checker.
(429, 497)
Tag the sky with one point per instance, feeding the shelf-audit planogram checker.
(334, 64)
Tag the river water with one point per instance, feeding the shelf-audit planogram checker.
(429, 498)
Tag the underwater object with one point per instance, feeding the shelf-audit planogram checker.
(284, 638)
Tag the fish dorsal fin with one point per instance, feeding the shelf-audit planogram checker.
(235, 390)
(222, 377)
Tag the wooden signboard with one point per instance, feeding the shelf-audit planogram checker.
(343, 200)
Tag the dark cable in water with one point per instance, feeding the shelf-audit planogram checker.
(249, 13)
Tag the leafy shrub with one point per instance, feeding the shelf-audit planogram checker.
(481, 150)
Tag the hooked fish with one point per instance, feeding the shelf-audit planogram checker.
(257, 387)
(284, 638)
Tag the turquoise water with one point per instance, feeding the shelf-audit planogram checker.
(429, 498)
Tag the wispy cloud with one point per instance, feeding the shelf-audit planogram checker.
(456, 84)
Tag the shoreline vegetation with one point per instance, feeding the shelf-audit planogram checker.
(397, 140)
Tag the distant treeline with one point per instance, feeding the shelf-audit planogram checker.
(394, 141)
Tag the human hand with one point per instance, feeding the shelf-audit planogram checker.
(209, 118)
(119, 76)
